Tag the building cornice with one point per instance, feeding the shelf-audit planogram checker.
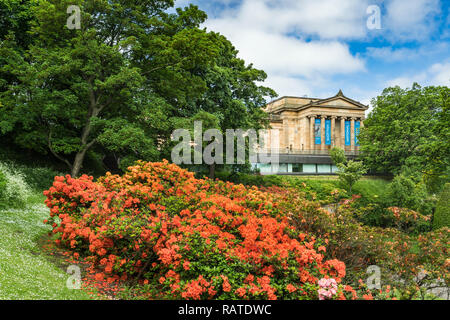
(314, 102)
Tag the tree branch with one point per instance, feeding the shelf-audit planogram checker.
(54, 153)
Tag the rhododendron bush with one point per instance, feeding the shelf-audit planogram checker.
(187, 238)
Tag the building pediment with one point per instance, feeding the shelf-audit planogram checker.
(339, 101)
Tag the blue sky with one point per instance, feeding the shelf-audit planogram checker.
(316, 47)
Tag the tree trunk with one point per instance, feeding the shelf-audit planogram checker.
(78, 162)
(212, 171)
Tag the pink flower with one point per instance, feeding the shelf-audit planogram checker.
(328, 288)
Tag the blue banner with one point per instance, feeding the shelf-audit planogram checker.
(347, 133)
(317, 131)
(357, 127)
(328, 132)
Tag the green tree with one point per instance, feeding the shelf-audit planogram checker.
(118, 86)
(437, 168)
(404, 192)
(408, 128)
(108, 87)
(349, 172)
(16, 17)
(442, 214)
(233, 97)
(338, 155)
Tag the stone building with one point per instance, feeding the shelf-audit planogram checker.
(307, 129)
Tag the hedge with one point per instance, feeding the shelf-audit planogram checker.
(442, 213)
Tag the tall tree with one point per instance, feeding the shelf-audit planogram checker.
(408, 128)
(107, 86)
(234, 95)
(350, 171)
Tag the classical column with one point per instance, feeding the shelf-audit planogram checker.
(311, 132)
(342, 135)
(352, 134)
(333, 126)
(322, 132)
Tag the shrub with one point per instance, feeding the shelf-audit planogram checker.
(251, 179)
(15, 190)
(350, 172)
(400, 256)
(3, 183)
(188, 238)
(338, 155)
(442, 212)
(405, 193)
(322, 190)
(38, 178)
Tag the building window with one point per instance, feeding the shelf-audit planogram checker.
(323, 168)
(297, 167)
(309, 168)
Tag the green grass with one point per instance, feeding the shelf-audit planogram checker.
(370, 188)
(26, 272)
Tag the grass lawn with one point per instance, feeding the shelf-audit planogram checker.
(369, 187)
(26, 272)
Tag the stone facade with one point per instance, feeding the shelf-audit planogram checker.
(308, 128)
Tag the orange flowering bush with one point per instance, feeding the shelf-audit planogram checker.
(409, 221)
(187, 238)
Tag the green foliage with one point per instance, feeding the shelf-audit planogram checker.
(116, 87)
(250, 179)
(360, 246)
(14, 191)
(325, 191)
(38, 178)
(27, 271)
(3, 183)
(338, 155)
(404, 192)
(442, 214)
(371, 189)
(350, 173)
(409, 128)
(16, 18)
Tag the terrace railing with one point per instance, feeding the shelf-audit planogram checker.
(305, 152)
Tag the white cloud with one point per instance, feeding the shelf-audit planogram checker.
(289, 86)
(262, 32)
(438, 75)
(327, 19)
(391, 54)
(301, 43)
(411, 19)
(281, 54)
